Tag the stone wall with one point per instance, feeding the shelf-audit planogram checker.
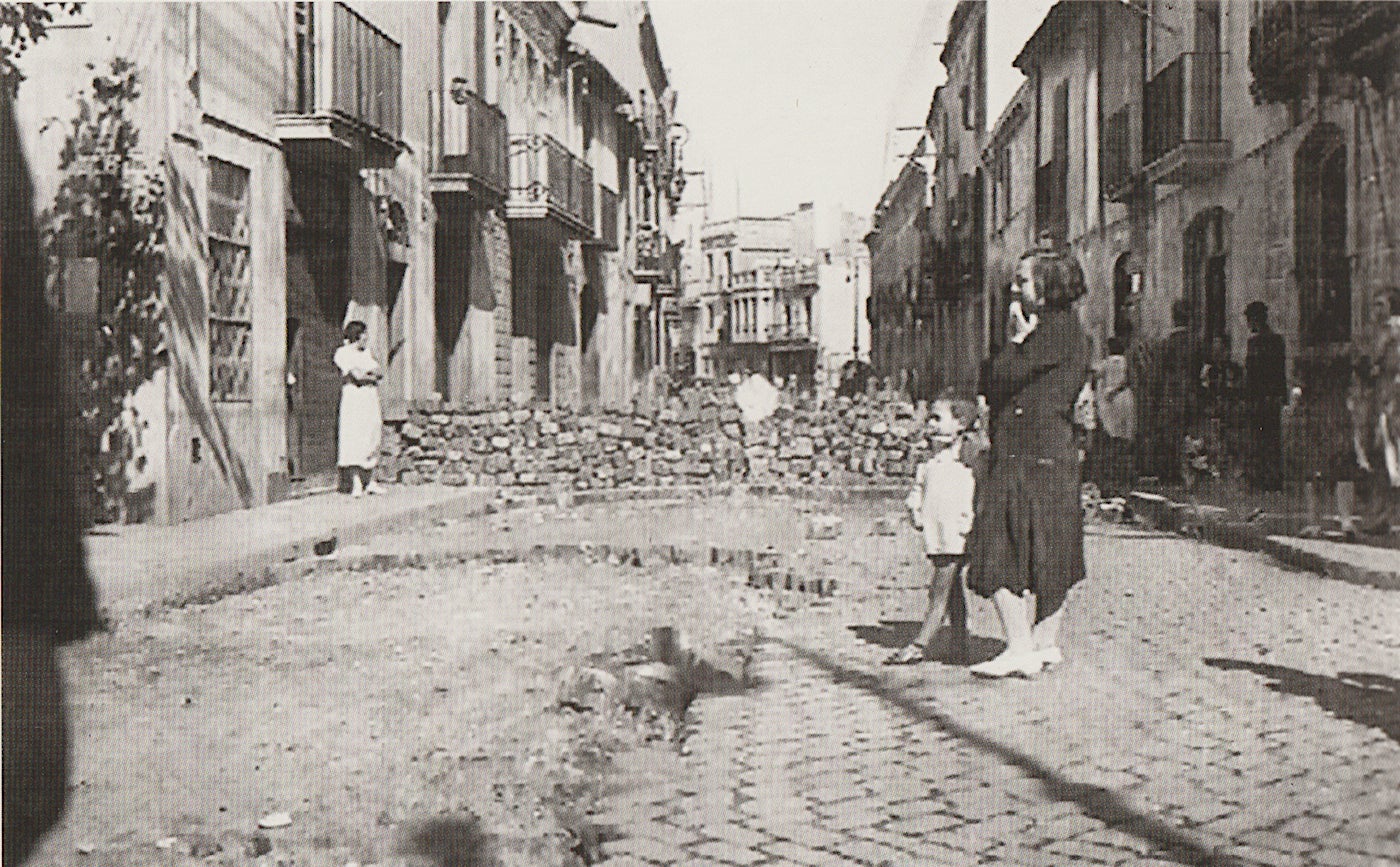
(697, 438)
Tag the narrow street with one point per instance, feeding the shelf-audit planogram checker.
(1213, 707)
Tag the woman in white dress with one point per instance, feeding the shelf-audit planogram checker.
(361, 424)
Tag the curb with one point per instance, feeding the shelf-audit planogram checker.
(246, 572)
(1267, 534)
(1294, 552)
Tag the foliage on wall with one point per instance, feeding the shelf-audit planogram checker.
(111, 208)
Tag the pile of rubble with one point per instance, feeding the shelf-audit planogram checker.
(699, 437)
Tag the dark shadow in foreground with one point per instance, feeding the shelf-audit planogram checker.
(1368, 699)
(1099, 803)
(894, 634)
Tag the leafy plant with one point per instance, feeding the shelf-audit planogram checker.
(21, 25)
(111, 208)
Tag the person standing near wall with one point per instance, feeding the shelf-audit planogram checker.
(1179, 382)
(1374, 401)
(1116, 410)
(361, 422)
(1265, 391)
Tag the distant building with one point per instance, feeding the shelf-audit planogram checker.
(932, 319)
(780, 296)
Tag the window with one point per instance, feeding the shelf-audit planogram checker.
(1003, 184)
(230, 284)
(966, 100)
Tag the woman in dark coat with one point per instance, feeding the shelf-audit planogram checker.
(1026, 547)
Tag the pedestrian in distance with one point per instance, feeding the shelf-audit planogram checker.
(1179, 383)
(1116, 413)
(1265, 392)
(941, 506)
(1375, 406)
(1026, 546)
(361, 421)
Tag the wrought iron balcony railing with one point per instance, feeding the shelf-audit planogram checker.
(546, 179)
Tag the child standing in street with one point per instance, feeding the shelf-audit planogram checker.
(941, 505)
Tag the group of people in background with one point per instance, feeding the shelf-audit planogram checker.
(1177, 410)
(999, 503)
(1174, 409)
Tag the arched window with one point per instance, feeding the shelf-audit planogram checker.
(1321, 265)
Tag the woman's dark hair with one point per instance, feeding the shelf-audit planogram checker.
(353, 329)
(1059, 281)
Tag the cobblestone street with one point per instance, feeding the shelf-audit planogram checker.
(1215, 710)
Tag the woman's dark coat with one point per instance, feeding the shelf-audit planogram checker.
(1028, 531)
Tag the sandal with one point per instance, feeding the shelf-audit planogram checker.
(909, 654)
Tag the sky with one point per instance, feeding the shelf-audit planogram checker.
(789, 101)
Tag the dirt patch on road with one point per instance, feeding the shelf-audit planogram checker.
(366, 704)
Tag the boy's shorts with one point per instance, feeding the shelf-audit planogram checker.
(940, 560)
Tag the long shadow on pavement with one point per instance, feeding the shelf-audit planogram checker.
(1097, 802)
(1368, 699)
(894, 634)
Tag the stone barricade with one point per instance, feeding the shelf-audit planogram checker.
(698, 437)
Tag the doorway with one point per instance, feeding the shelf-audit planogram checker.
(318, 246)
(1205, 254)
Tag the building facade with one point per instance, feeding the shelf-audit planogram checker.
(487, 186)
(1213, 152)
(1184, 152)
(900, 242)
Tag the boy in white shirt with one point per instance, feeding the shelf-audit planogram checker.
(941, 505)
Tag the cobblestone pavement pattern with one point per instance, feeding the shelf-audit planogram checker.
(1214, 709)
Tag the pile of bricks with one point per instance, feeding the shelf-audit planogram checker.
(698, 438)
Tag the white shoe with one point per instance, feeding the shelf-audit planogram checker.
(1007, 664)
(1049, 656)
(374, 488)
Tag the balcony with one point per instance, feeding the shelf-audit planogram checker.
(1119, 158)
(1182, 137)
(546, 180)
(1368, 40)
(649, 248)
(345, 99)
(801, 278)
(787, 332)
(606, 221)
(474, 146)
